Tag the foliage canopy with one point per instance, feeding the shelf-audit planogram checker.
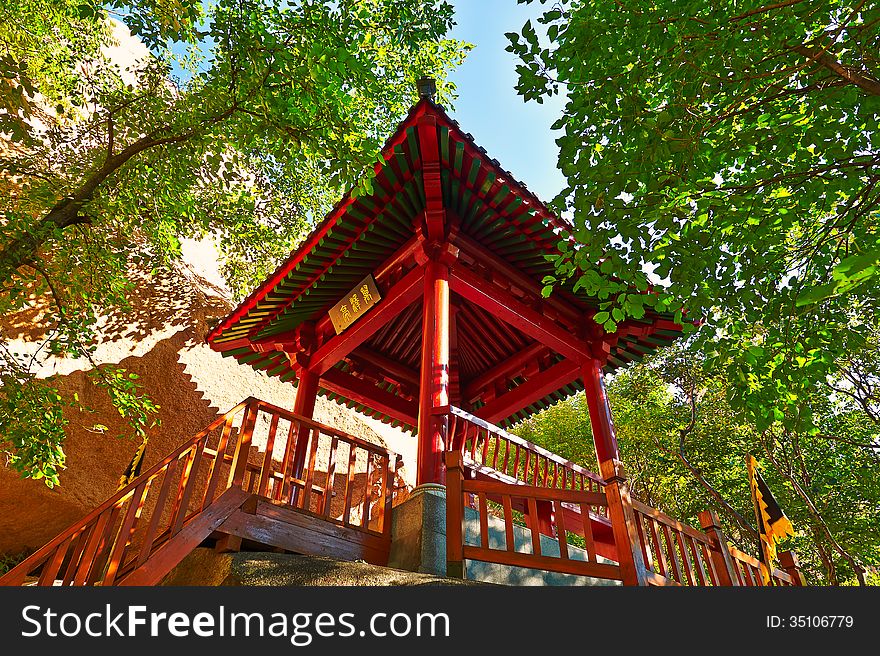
(244, 122)
(730, 149)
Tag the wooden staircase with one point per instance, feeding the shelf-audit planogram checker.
(324, 493)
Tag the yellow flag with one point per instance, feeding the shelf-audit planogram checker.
(773, 525)
(134, 467)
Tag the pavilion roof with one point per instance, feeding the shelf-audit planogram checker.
(492, 211)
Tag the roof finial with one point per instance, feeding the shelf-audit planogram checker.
(427, 88)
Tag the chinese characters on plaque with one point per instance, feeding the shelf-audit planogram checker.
(354, 304)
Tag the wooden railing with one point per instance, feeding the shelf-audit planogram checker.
(677, 554)
(748, 571)
(124, 532)
(508, 458)
(674, 553)
(555, 555)
(663, 551)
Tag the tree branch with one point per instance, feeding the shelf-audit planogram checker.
(828, 61)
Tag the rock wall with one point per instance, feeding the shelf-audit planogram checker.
(162, 340)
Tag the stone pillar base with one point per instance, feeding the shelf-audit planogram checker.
(418, 531)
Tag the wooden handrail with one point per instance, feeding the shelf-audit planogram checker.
(529, 552)
(102, 547)
(530, 448)
(117, 500)
(777, 576)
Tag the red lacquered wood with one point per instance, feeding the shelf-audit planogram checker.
(434, 385)
(604, 436)
(401, 295)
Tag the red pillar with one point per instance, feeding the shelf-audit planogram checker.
(604, 436)
(434, 378)
(304, 406)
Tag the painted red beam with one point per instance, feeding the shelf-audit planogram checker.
(365, 393)
(537, 387)
(435, 216)
(398, 258)
(502, 304)
(395, 370)
(503, 370)
(560, 301)
(400, 296)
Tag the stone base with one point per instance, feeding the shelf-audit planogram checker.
(418, 531)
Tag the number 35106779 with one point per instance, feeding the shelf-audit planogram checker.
(810, 622)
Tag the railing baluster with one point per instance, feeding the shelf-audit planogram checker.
(349, 484)
(709, 562)
(365, 511)
(384, 472)
(588, 532)
(562, 538)
(286, 495)
(185, 488)
(88, 556)
(76, 554)
(484, 520)
(102, 556)
(126, 530)
(534, 526)
(266, 469)
(670, 550)
(657, 547)
(153, 526)
(51, 567)
(685, 559)
(331, 475)
(217, 465)
(314, 436)
(640, 526)
(508, 522)
(699, 568)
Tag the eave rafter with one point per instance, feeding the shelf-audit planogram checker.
(406, 291)
(534, 389)
(503, 305)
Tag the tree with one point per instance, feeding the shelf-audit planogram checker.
(275, 108)
(730, 149)
(684, 445)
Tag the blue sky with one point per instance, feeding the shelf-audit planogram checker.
(515, 133)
